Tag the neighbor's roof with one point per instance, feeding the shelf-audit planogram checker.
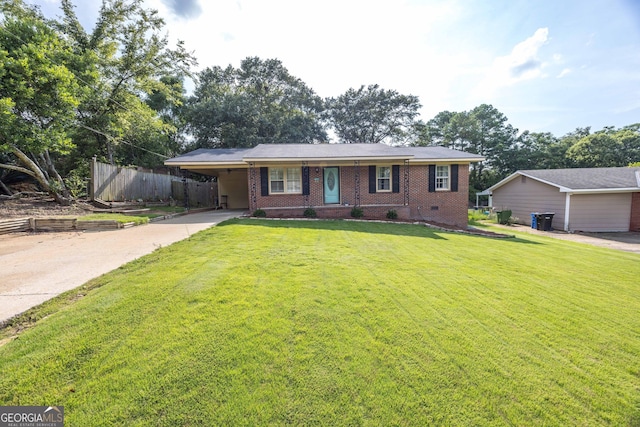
(318, 152)
(583, 179)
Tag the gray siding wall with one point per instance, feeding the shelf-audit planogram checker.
(600, 212)
(524, 195)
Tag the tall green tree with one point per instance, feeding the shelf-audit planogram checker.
(38, 97)
(483, 130)
(260, 102)
(606, 148)
(123, 62)
(373, 115)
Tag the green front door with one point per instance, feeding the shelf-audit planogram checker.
(331, 185)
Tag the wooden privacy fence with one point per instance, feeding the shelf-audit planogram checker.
(199, 194)
(119, 184)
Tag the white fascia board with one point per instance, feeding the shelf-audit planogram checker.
(324, 159)
(448, 161)
(206, 165)
(601, 190)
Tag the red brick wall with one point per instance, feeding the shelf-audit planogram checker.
(444, 207)
(635, 212)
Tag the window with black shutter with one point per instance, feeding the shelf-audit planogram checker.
(432, 178)
(395, 178)
(372, 179)
(305, 181)
(454, 178)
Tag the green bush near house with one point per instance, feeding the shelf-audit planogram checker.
(392, 214)
(257, 322)
(259, 213)
(477, 216)
(357, 212)
(310, 213)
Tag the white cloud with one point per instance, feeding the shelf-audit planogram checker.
(563, 73)
(331, 45)
(523, 63)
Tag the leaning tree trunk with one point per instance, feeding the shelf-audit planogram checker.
(37, 173)
(5, 188)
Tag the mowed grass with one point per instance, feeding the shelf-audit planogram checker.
(259, 322)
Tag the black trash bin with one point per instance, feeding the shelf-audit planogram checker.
(546, 219)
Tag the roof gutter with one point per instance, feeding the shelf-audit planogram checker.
(600, 190)
(207, 165)
(323, 159)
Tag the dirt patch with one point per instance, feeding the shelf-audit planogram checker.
(40, 207)
(46, 207)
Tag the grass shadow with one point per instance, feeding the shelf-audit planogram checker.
(371, 227)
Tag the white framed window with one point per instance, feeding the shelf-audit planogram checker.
(383, 178)
(442, 177)
(285, 180)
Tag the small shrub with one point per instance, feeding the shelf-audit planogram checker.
(513, 220)
(76, 185)
(310, 213)
(475, 216)
(357, 212)
(392, 214)
(259, 213)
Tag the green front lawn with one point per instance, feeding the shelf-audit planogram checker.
(258, 322)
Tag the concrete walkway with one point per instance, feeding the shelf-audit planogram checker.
(39, 266)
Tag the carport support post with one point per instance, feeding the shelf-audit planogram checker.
(567, 209)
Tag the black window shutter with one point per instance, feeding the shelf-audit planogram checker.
(395, 178)
(454, 177)
(264, 181)
(372, 179)
(305, 181)
(432, 178)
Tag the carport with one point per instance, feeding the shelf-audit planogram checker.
(229, 169)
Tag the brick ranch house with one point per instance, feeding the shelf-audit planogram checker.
(419, 183)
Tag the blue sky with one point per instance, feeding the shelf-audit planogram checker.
(548, 65)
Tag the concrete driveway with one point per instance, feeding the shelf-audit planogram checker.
(37, 267)
(628, 242)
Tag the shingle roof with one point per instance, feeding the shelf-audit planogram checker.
(588, 178)
(435, 152)
(204, 155)
(322, 151)
(583, 178)
(283, 152)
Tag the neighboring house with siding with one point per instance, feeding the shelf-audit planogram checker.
(587, 199)
(419, 183)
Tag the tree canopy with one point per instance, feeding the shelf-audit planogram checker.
(38, 98)
(259, 102)
(66, 91)
(373, 115)
(485, 131)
